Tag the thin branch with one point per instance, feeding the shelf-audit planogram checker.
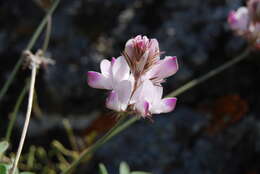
(27, 119)
(210, 74)
(29, 47)
(47, 35)
(14, 113)
(112, 132)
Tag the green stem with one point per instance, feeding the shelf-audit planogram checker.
(29, 47)
(112, 132)
(117, 129)
(14, 113)
(47, 36)
(71, 136)
(210, 74)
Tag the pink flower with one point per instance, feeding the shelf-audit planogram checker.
(239, 20)
(114, 76)
(246, 22)
(147, 100)
(135, 78)
(111, 74)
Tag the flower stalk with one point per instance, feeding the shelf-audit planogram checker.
(34, 67)
(210, 74)
(117, 128)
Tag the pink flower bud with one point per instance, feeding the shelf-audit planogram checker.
(141, 54)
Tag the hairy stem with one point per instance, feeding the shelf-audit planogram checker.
(27, 118)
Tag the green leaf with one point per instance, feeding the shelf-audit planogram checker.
(102, 169)
(3, 146)
(8, 168)
(3, 169)
(124, 168)
(139, 172)
(27, 173)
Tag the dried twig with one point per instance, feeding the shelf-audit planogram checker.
(34, 62)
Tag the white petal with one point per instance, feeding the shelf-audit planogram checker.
(118, 99)
(97, 80)
(120, 69)
(123, 90)
(105, 67)
(112, 101)
(147, 91)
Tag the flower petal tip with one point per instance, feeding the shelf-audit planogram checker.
(170, 103)
(146, 108)
(92, 78)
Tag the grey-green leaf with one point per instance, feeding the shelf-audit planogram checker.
(3, 146)
(139, 172)
(102, 169)
(124, 168)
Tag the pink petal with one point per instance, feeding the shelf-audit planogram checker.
(97, 80)
(154, 49)
(112, 101)
(165, 68)
(166, 105)
(232, 18)
(239, 20)
(142, 107)
(129, 48)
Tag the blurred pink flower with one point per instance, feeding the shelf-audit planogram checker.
(135, 78)
(246, 22)
(239, 20)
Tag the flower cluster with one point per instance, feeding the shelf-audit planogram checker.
(135, 78)
(246, 22)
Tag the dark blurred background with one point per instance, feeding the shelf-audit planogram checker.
(215, 127)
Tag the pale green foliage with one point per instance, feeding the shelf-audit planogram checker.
(3, 147)
(102, 169)
(123, 169)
